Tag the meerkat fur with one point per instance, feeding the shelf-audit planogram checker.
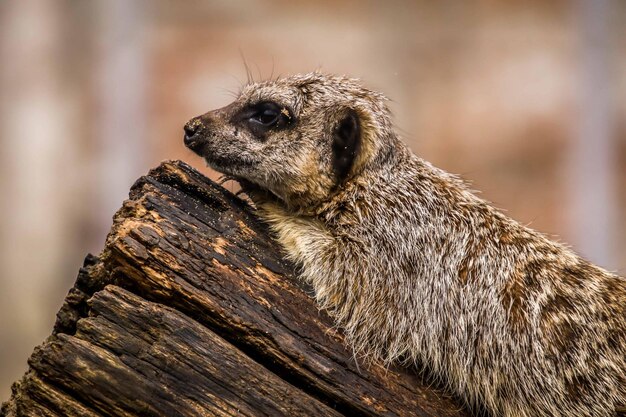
(411, 264)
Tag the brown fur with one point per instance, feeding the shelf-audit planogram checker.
(411, 264)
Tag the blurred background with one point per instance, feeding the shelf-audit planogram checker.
(526, 99)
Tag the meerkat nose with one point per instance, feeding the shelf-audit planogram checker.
(192, 129)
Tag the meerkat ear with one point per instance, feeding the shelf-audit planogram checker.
(346, 144)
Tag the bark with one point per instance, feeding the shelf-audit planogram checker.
(190, 310)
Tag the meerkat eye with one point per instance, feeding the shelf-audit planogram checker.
(270, 115)
(267, 117)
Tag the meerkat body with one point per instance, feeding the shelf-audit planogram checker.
(410, 263)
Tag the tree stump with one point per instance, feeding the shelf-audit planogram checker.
(190, 310)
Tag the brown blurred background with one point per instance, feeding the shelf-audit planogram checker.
(526, 99)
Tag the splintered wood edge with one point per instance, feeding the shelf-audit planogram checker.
(183, 247)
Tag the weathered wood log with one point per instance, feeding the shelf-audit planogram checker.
(191, 311)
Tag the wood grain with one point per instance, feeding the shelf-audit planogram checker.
(191, 310)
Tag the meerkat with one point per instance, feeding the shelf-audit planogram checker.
(411, 264)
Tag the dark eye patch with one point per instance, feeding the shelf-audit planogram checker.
(262, 117)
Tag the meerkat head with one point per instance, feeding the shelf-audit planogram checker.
(300, 138)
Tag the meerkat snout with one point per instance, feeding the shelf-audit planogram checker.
(193, 134)
(411, 264)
